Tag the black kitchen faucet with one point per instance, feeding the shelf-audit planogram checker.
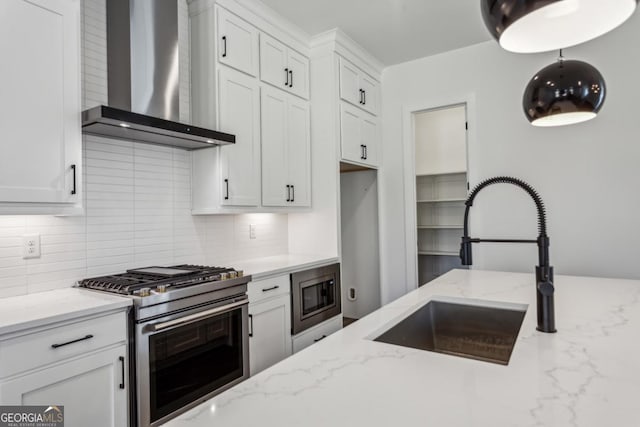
(544, 272)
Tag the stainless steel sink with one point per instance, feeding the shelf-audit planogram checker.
(476, 330)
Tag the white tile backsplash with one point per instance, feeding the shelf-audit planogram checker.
(138, 213)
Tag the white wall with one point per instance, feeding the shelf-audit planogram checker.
(137, 200)
(441, 141)
(360, 251)
(587, 174)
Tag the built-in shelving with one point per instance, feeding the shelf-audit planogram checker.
(441, 200)
(439, 253)
(440, 211)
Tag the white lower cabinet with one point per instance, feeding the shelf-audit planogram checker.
(92, 389)
(270, 332)
(316, 333)
(81, 364)
(269, 322)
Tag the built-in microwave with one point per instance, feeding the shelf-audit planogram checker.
(315, 296)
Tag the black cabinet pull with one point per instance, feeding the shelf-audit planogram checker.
(320, 339)
(226, 182)
(73, 169)
(293, 193)
(224, 46)
(121, 359)
(361, 96)
(71, 342)
(291, 78)
(251, 325)
(286, 76)
(366, 154)
(361, 152)
(288, 193)
(273, 288)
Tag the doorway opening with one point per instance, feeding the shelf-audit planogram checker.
(441, 187)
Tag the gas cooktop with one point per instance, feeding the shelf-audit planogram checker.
(158, 280)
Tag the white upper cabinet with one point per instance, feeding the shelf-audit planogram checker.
(239, 97)
(40, 104)
(237, 43)
(234, 76)
(283, 67)
(275, 186)
(358, 88)
(286, 162)
(359, 135)
(299, 152)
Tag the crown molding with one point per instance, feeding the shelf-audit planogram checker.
(344, 45)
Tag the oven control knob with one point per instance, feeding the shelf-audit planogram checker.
(161, 289)
(145, 292)
(224, 276)
(233, 274)
(240, 273)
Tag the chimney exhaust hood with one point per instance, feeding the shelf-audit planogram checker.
(143, 80)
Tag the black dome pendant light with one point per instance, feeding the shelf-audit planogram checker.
(527, 26)
(564, 93)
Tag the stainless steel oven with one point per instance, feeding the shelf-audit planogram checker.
(315, 296)
(186, 357)
(189, 335)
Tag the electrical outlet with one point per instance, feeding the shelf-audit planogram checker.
(252, 231)
(352, 294)
(31, 246)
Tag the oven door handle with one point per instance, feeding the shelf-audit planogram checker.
(155, 327)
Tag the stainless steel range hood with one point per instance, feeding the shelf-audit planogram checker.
(143, 79)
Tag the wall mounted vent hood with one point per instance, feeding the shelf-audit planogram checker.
(143, 79)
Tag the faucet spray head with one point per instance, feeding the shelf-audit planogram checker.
(465, 251)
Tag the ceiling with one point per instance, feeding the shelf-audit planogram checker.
(393, 31)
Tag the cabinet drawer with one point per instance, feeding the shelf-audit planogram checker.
(262, 289)
(317, 333)
(35, 350)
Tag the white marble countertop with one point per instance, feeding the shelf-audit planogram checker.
(43, 308)
(260, 268)
(587, 374)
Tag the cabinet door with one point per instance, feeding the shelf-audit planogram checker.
(350, 133)
(273, 62)
(88, 388)
(299, 152)
(239, 107)
(275, 190)
(270, 333)
(371, 92)
(299, 77)
(40, 101)
(349, 82)
(237, 43)
(370, 135)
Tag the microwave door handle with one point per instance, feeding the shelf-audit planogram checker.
(155, 327)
